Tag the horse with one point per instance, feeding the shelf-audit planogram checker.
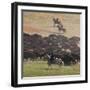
(59, 61)
(54, 60)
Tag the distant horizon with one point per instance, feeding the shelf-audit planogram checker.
(49, 35)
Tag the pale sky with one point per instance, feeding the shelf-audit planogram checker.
(42, 23)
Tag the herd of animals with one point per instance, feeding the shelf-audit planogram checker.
(68, 58)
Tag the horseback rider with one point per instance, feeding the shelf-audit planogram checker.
(51, 59)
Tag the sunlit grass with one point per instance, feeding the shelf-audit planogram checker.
(40, 68)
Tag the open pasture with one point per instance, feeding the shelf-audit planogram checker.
(41, 68)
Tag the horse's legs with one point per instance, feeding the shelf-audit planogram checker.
(49, 66)
(62, 63)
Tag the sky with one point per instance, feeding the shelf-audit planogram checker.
(42, 23)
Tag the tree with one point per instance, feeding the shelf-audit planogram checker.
(62, 47)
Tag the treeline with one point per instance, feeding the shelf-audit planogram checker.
(37, 46)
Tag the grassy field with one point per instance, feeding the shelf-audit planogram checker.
(40, 68)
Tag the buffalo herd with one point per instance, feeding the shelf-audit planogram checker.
(55, 49)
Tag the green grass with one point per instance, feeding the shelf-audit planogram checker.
(40, 68)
